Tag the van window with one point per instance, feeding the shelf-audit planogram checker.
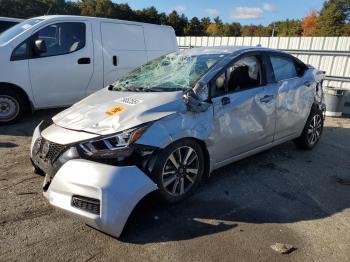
(62, 38)
(18, 29)
(20, 52)
(283, 67)
(4, 25)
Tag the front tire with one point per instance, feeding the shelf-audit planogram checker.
(12, 106)
(178, 170)
(312, 131)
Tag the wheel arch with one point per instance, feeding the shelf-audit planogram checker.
(19, 90)
(151, 162)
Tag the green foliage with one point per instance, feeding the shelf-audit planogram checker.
(333, 20)
(256, 30)
(288, 28)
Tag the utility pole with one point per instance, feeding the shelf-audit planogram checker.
(273, 30)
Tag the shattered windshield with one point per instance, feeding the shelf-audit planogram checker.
(172, 72)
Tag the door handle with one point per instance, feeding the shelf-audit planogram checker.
(115, 60)
(225, 100)
(266, 98)
(84, 61)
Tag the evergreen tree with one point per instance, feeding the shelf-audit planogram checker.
(334, 18)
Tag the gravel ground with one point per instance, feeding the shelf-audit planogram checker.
(282, 195)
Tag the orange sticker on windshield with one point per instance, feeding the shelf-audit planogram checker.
(115, 110)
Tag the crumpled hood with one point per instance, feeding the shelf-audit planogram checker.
(106, 112)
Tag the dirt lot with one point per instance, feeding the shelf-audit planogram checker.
(282, 195)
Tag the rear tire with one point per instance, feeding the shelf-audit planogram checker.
(12, 106)
(178, 170)
(312, 131)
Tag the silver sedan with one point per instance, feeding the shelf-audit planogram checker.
(166, 124)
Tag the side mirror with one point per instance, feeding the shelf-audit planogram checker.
(194, 102)
(40, 47)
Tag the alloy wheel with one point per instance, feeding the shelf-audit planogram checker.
(180, 171)
(314, 129)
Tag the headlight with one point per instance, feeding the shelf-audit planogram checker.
(35, 136)
(112, 146)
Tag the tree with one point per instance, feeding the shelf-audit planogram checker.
(219, 25)
(288, 27)
(309, 23)
(55, 6)
(148, 15)
(177, 22)
(194, 28)
(255, 30)
(212, 30)
(104, 8)
(205, 22)
(88, 7)
(72, 8)
(124, 12)
(334, 18)
(233, 29)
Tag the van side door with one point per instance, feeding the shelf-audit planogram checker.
(123, 49)
(61, 74)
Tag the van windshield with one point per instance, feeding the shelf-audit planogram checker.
(17, 29)
(172, 72)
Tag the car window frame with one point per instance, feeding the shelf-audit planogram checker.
(31, 40)
(264, 67)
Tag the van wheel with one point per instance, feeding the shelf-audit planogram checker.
(178, 170)
(312, 131)
(12, 106)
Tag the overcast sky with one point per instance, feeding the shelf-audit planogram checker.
(243, 11)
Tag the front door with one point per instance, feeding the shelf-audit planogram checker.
(244, 109)
(61, 75)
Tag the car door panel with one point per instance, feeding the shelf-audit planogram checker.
(295, 96)
(294, 101)
(247, 122)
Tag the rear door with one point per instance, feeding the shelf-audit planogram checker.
(123, 49)
(60, 76)
(295, 95)
(244, 108)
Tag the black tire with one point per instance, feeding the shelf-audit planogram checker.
(182, 174)
(12, 106)
(311, 135)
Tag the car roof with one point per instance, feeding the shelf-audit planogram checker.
(225, 50)
(91, 18)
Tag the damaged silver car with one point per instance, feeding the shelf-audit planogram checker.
(168, 123)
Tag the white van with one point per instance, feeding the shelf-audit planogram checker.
(7, 22)
(55, 61)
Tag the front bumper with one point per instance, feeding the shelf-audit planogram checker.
(116, 189)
